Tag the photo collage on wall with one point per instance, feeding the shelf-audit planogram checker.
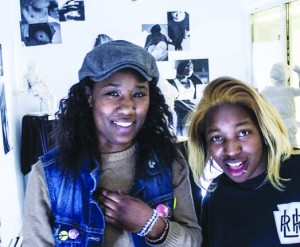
(40, 19)
(191, 74)
(3, 110)
(172, 36)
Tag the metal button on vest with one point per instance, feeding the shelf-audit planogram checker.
(151, 163)
(63, 235)
(73, 234)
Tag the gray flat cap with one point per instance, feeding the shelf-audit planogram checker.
(112, 56)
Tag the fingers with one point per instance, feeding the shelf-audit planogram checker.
(109, 199)
(109, 204)
(122, 210)
(111, 195)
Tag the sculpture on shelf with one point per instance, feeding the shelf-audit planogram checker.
(38, 88)
(282, 97)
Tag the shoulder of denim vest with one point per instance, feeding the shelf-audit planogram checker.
(51, 156)
(84, 164)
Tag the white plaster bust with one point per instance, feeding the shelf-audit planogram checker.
(282, 97)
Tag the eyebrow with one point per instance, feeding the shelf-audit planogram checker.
(245, 122)
(112, 84)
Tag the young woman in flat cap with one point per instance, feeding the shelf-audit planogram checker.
(115, 177)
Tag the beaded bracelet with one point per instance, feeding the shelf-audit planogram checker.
(149, 224)
(162, 236)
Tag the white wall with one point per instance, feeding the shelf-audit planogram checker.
(215, 34)
(218, 32)
(11, 180)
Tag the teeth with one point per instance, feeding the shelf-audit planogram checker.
(123, 124)
(236, 164)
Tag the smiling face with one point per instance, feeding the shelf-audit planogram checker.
(120, 104)
(235, 142)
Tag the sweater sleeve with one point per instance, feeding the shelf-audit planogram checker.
(37, 212)
(184, 228)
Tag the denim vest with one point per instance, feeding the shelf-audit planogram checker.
(77, 218)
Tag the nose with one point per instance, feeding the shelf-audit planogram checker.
(126, 105)
(232, 147)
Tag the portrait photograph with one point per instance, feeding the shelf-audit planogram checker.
(192, 75)
(156, 40)
(179, 30)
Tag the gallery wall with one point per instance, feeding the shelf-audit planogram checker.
(11, 180)
(218, 32)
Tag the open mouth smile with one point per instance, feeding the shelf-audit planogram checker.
(123, 124)
(237, 168)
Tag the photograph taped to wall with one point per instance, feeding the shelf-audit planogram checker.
(38, 11)
(40, 33)
(192, 75)
(4, 120)
(71, 10)
(179, 30)
(1, 61)
(156, 40)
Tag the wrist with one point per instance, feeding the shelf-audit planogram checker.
(149, 224)
(159, 238)
(157, 229)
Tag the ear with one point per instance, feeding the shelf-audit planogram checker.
(88, 93)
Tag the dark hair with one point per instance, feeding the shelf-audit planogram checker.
(155, 29)
(74, 131)
(181, 66)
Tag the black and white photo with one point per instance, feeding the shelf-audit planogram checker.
(40, 33)
(38, 11)
(190, 80)
(156, 40)
(179, 30)
(71, 10)
(4, 120)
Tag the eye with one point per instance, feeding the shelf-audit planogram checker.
(112, 93)
(139, 94)
(216, 139)
(244, 133)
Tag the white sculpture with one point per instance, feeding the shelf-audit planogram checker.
(38, 88)
(282, 97)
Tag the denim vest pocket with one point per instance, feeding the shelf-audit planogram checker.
(68, 233)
